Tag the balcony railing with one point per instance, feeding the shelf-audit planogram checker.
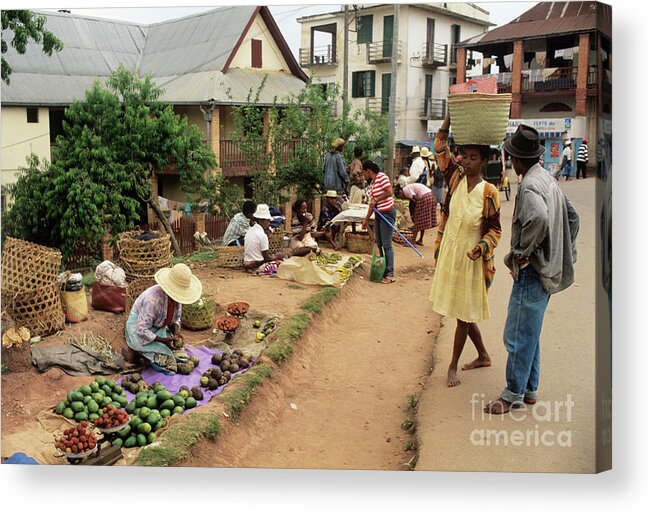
(549, 79)
(317, 56)
(236, 162)
(380, 51)
(434, 54)
(504, 81)
(433, 108)
(380, 104)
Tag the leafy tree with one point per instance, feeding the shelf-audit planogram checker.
(26, 25)
(113, 142)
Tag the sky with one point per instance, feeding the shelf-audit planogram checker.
(284, 12)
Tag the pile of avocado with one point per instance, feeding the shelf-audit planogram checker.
(149, 411)
(87, 401)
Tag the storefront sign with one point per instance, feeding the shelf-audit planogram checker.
(550, 125)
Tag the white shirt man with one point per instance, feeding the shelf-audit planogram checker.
(417, 165)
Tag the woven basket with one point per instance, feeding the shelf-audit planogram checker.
(141, 259)
(230, 256)
(195, 317)
(135, 288)
(27, 266)
(276, 241)
(359, 242)
(478, 118)
(40, 310)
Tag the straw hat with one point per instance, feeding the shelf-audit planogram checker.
(424, 152)
(415, 149)
(262, 212)
(331, 194)
(179, 283)
(338, 142)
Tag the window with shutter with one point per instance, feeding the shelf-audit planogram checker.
(363, 84)
(365, 29)
(256, 53)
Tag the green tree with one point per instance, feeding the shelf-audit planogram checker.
(25, 26)
(113, 142)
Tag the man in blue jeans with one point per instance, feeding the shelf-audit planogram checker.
(541, 261)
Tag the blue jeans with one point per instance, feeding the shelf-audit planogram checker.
(383, 238)
(522, 336)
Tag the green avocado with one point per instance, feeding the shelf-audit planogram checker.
(80, 416)
(141, 440)
(118, 442)
(178, 409)
(86, 390)
(151, 438)
(168, 405)
(68, 413)
(153, 417)
(59, 408)
(190, 402)
(163, 395)
(178, 400)
(145, 428)
(77, 406)
(93, 407)
(130, 408)
(130, 442)
(144, 411)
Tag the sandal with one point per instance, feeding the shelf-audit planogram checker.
(388, 279)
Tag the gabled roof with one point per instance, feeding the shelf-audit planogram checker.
(189, 57)
(550, 19)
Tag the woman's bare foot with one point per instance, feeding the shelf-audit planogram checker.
(479, 362)
(418, 243)
(499, 407)
(453, 381)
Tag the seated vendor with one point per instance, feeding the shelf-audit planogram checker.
(155, 319)
(239, 225)
(328, 213)
(256, 241)
(304, 232)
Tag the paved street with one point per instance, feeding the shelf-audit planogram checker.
(558, 434)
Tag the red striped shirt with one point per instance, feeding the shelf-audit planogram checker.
(380, 184)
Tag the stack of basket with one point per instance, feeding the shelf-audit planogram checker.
(199, 315)
(30, 293)
(135, 288)
(359, 242)
(142, 258)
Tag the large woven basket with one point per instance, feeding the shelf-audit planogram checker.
(478, 118)
(39, 310)
(359, 242)
(141, 259)
(230, 256)
(276, 241)
(199, 315)
(27, 266)
(135, 288)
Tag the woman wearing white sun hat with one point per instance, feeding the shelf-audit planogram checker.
(155, 319)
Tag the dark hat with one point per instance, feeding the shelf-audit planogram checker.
(524, 144)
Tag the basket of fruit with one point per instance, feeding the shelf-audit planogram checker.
(199, 315)
(227, 324)
(77, 442)
(112, 419)
(239, 308)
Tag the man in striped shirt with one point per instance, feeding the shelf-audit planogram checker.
(582, 159)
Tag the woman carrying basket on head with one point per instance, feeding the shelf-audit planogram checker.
(469, 230)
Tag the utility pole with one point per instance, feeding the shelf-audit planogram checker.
(392, 97)
(345, 91)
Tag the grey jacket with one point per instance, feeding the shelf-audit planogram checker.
(545, 226)
(334, 172)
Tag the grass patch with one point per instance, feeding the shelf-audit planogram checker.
(181, 435)
(202, 255)
(238, 397)
(412, 404)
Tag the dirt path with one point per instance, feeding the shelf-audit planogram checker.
(349, 378)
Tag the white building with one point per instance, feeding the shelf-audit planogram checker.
(427, 34)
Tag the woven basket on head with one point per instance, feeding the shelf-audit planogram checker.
(135, 288)
(359, 242)
(276, 241)
(230, 256)
(199, 315)
(39, 310)
(478, 118)
(141, 259)
(27, 266)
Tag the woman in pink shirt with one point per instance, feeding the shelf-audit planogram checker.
(422, 208)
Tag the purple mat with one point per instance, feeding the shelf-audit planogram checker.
(175, 381)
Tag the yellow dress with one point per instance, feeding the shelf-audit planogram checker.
(458, 288)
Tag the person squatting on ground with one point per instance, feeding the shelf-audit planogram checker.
(256, 241)
(541, 260)
(154, 322)
(304, 231)
(469, 230)
(239, 225)
(328, 212)
(381, 195)
(423, 213)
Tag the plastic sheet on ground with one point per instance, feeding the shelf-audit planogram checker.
(303, 270)
(175, 381)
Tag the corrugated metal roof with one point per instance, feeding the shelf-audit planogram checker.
(185, 56)
(550, 19)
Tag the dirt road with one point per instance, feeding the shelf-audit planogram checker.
(339, 402)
